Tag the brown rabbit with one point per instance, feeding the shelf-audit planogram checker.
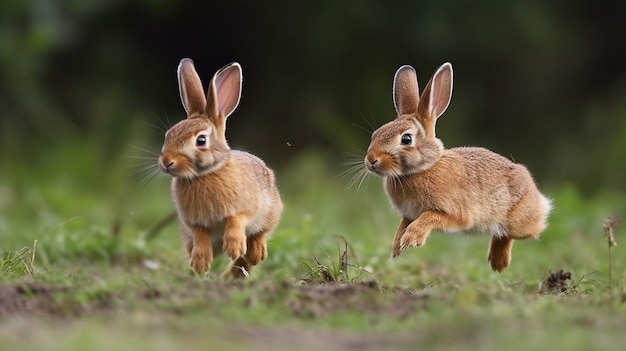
(463, 189)
(226, 200)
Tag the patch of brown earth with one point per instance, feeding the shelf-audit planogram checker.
(321, 300)
(37, 298)
(304, 301)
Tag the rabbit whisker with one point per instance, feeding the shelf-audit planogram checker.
(137, 157)
(350, 170)
(149, 177)
(142, 149)
(142, 168)
(352, 165)
(356, 178)
(370, 123)
(368, 131)
(161, 128)
(363, 174)
(165, 123)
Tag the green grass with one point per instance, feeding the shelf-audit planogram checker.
(75, 240)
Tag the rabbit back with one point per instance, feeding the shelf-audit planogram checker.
(489, 192)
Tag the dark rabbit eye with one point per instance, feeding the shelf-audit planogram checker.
(201, 140)
(406, 139)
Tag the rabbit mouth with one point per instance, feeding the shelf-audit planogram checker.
(385, 173)
(178, 173)
(374, 169)
(176, 167)
(381, 169)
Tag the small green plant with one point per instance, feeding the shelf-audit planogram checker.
(16, 264)
(585, 284)
(335, 271)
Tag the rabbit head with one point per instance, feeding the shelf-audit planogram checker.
(197, 145)
(408, 144)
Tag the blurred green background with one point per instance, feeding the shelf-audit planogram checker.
(87, 88)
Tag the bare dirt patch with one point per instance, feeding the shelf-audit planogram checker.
(321, 300)
(303, 301)
(37, 298)
(26, 298)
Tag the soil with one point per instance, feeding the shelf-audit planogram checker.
(324, 299)
(38, 298)
(304, 300)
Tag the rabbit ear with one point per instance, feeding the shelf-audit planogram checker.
(224, 91)
(436, 96)
(191, 92)
(405, 91)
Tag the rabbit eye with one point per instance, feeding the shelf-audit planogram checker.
(201, 140)
(406, 139)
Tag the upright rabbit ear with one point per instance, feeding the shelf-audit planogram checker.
(190, 86)
(405, 91)
(436, 96)
(224, 91)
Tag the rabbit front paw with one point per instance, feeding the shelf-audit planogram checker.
(201, 259)
(412, 238)
(235, 246)
(396, 250)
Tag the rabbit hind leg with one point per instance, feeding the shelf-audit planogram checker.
(500, 252)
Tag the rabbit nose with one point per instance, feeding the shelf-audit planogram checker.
(166, 166)
(373, 162)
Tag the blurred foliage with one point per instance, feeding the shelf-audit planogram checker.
(541, 82)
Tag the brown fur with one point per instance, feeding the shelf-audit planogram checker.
(464, 189)
(227, 200)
